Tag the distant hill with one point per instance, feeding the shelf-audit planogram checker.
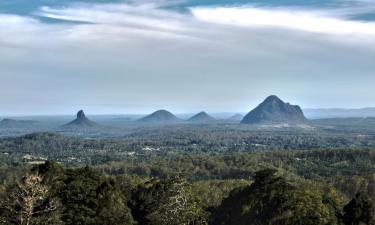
(81, 122)
(160, 116)
(349, 122)
(236, 117)
(12, 123)
(338, 113)
(274, 110)
(201, 117)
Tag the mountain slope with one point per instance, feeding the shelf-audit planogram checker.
(274, 110)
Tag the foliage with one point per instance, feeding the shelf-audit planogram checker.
(212, 192)
(91, 198)
(359, 211)
(170, 202)
(30, 202)
(271, 200)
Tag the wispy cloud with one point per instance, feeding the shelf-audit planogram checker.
(146, 16)
(309, 21)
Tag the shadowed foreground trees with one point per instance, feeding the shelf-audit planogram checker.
(178, 206)
(271, 200)
(30, 202)
(52, 194)
(88, 197)
(359, 211)
(169, 202)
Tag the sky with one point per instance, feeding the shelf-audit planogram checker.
(119, 57)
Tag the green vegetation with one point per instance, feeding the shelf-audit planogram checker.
(53, 194)
(189, 175)
(141, 143)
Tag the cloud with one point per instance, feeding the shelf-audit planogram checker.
(124, 15)
(298, 20)
(144, 55)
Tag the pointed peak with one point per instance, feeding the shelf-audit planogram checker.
(272, 98)
(80, 122)
(81, 114)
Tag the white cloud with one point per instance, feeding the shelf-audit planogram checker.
(123, 15)
(309, 21)
(144, 16)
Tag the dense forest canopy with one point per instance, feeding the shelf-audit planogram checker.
(191, 174)
(53, 194)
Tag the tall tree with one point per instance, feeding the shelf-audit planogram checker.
(91, 198)
(271, 200)
(30, 202)
(178, 206)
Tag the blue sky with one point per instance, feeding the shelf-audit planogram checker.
(113, 56)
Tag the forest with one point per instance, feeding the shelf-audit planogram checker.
(190, 175)
(50, 193)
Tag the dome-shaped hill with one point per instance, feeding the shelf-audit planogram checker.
(201, 117)
(160, 116)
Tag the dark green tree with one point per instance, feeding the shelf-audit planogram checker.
(359, 211)
(169, 202)
(178, 205)
(271, 200)
(88, 197)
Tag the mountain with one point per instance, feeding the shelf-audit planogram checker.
(201, 117)
(81, 122)
(160, 116)
(11, 123)
(274, 110)
(338, 113)
(236, 117)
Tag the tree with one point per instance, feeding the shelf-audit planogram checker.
(178, 206)
(169, 202)
(271, 200)
(30, 203)
(359, 211)
(91, 198)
